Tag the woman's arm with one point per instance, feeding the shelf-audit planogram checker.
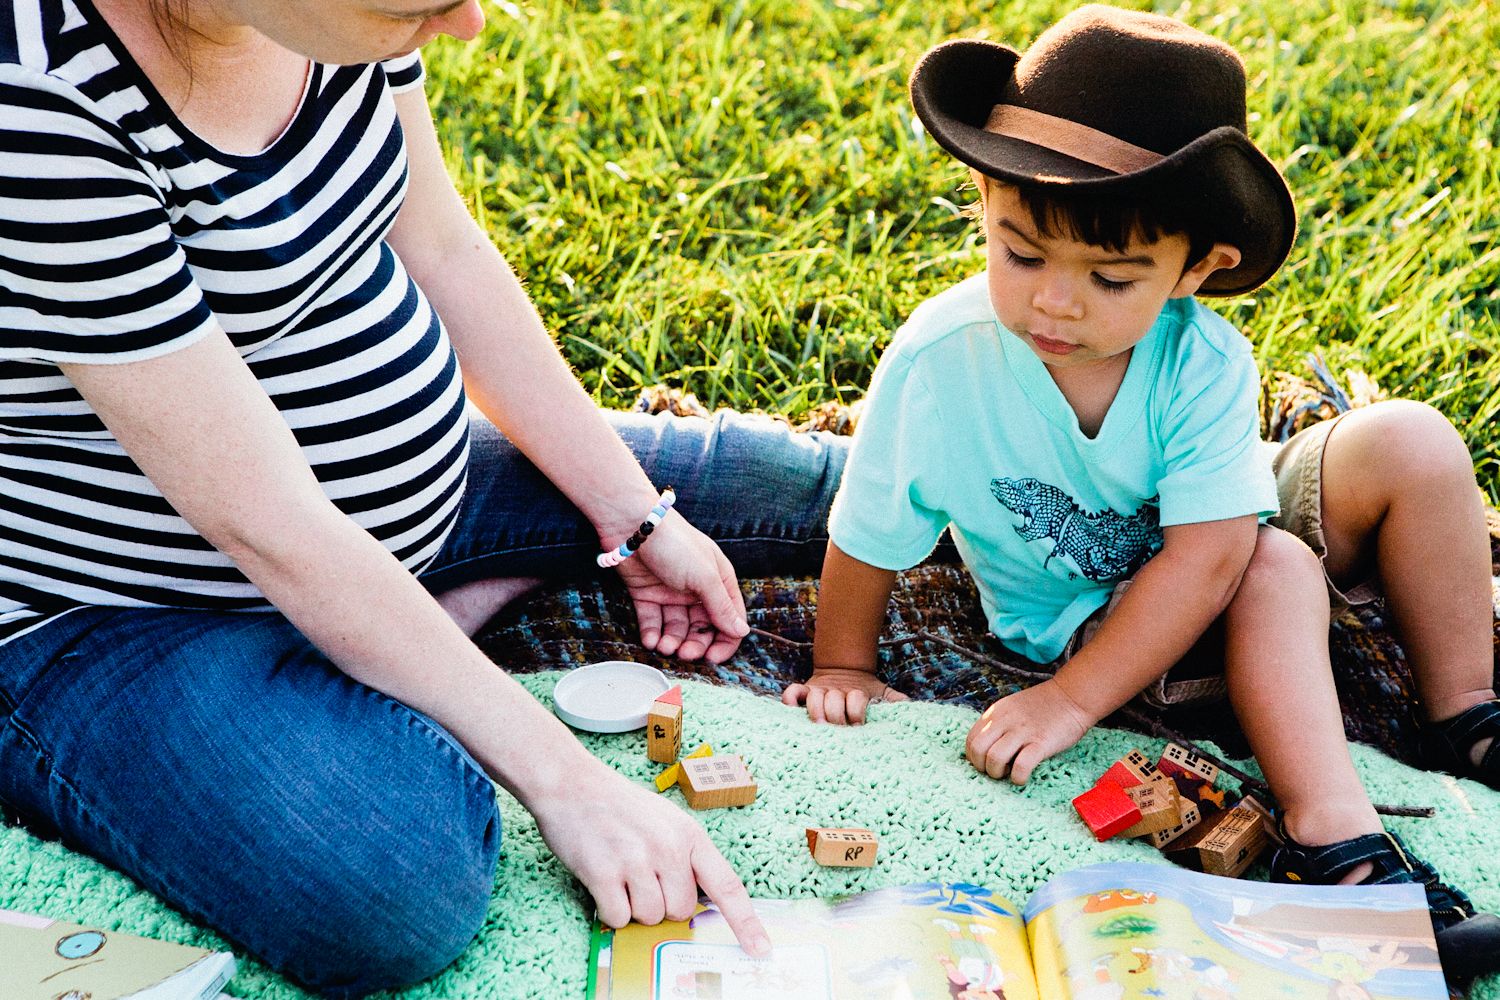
(515, 374)
(228, 463)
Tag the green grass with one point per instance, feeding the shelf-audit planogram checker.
(732, 196)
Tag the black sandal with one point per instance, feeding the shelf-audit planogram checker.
(1446, 745)
(1468, 943)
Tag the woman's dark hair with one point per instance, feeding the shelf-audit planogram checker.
(171, 20)
(1110, 221)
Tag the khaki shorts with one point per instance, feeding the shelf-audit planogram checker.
(1298, 465)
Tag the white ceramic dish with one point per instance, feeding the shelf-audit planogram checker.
(609, 697)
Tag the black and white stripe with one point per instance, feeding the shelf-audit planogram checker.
(123, 237)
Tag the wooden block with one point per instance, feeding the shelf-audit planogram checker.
(1267, 820)
(1193, 788)
(664, 732)
(1157, 801)
(716, 782)
(847, 848)
(669, 777)
(1130, 771)
(1225, 844)
(1189, 814)
(1177, 760)
(1107, 810)
(1234, 843)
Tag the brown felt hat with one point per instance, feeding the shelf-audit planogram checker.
(1111, 101)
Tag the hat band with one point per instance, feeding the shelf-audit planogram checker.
(1070, 139)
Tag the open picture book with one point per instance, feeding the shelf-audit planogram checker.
(1105, 932)
(46, 959)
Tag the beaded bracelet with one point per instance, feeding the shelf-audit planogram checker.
(628, 548)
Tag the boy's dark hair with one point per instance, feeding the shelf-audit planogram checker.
(1109, 221)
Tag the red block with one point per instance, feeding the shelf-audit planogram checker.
(1107, 810)
(672, 697)
(1119, 774)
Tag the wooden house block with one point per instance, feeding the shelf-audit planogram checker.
(848, 848)
(1224, 844)
(716, 782)
(1267, 820)
(1236, 840)
(1189, 814)
(1107, 810)
(1134, 769)
(1157, 801)
(668, 778)
(1195, 789)
(1177, 760)
(664, 732)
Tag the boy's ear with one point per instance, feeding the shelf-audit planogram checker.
(979, 185)
(1220, 256)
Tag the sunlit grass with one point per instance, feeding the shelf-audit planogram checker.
(734, 196)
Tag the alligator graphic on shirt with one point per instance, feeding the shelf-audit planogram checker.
(1105, 546)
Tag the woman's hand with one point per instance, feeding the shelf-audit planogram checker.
(839, 695)
(641, 857)
(687, 599)
(1021, 730)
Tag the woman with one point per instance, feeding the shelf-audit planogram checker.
(224, 388)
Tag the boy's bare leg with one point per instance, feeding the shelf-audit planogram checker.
(1281, 685)
(1399, 497)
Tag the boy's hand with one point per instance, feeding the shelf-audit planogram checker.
(839, 695)
(1019, 731)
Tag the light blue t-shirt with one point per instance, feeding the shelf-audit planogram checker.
(964, 428)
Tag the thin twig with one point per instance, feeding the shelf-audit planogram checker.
(800, 644)
(777, 638)
(1036, 676)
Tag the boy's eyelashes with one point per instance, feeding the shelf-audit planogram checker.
(1015, 259)
(1111, 286)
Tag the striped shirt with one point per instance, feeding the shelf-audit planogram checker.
(124, 236)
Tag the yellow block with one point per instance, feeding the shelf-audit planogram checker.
(669, 777)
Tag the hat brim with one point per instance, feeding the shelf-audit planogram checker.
(1220, 172)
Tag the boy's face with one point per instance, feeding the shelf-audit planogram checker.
(1076, 304)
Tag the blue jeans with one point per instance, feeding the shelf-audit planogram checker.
(344, 839)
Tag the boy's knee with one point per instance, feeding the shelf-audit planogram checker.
(1280, 563)
(401, 910)
(1405, 435)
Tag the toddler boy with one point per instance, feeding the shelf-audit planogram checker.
(1088, 433)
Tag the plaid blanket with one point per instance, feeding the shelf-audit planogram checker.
(934, 608)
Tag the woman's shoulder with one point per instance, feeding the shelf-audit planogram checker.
(58, 81)
(51, 42)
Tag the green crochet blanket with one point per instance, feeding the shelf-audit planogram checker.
(902, 776)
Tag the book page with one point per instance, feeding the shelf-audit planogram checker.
(46, 959)
(931, 941)
(1154, 932)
